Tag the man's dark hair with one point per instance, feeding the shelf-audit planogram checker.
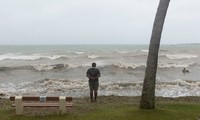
(93, 64)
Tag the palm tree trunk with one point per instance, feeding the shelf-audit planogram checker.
(148, 93)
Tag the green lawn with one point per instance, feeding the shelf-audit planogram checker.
(117, 110)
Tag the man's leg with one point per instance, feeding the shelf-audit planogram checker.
(91, 95)
(95, 90)
(91, 91)
(95, 95)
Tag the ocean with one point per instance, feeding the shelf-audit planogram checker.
(50, 70)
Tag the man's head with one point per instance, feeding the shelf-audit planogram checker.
(93, 64)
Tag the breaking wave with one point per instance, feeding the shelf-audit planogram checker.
(146, 51)
(174, 65)
(93, 56)
(79, 53)
(79, 88)
(128, 65)
(19, 56)
(37, 67)
(123, 52)
(180, 56)
(49, 67)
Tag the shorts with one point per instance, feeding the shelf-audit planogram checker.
(94, 85)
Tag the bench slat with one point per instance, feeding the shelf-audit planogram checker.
(37, 98)
(43, 105)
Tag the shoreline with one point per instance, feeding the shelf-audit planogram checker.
(136, 99)
(130, 99)
(116, 100)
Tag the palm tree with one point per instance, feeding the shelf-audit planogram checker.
(148, 93)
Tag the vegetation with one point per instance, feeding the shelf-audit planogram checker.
(114, 108)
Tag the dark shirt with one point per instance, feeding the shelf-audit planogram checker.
(93, 73)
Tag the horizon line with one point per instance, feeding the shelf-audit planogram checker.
(96, 44)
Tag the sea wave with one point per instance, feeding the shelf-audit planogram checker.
(79, 88)
(30, 57)
(37, 67)
(178, 88)
(174, 65)
(146, 51)
(79, 53)
(128, 65)
(48, 67)
(143, 65)
(113, 66)
(123, 52)
(93, 56)
(180, 56)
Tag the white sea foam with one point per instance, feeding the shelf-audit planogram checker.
(79, 53)
(128, 65)
(93, 56)
(180, 56)
(178, 89)
(174, 65)
(29, 57)
(47, 67)
(53, 57)
(160, 65)
(19, 57)
(123, 52)
(146, 51)
(43, 67)
(79, 88)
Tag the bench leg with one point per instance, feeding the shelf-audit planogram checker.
(18, 105)
(62, 104)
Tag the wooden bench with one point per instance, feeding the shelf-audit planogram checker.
(19, 102)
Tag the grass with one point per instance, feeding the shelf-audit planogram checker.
(115, 108)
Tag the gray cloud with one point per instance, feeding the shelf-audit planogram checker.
(95, 21)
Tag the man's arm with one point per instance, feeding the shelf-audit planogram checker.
(98, 75)
(93, 78)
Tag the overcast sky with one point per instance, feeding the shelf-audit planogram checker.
(95, 21)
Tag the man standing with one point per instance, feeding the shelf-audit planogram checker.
(93, 74)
